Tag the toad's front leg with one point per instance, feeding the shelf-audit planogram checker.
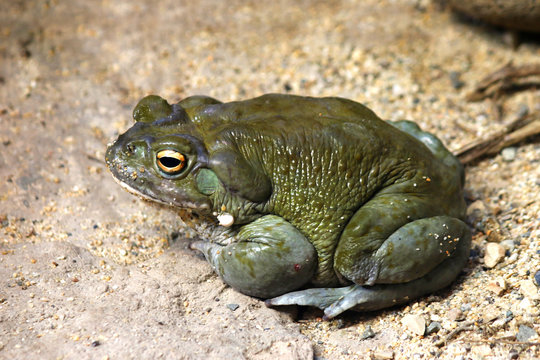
(270, 257)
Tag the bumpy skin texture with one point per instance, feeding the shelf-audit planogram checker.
(317, 192)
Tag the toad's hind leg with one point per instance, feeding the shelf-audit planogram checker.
(402, 242)
(269, 257)
(334, 301)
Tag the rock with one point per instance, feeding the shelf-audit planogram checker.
(494, 253)
(416, 324)
(494, 288)
(491, 313)
(483, 351)
(433, 327)
(537, 277)
(476, 210)
(233, 307)
(525, 333)
(455, 315)
(455, 79)
(527, 307)
(493, 230)
(529, 289)
(509, 154)
(397, 90)
(368, 333)
(383, 355)
(508, 244)
(497, 286)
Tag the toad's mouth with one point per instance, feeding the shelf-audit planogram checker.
(177, 204)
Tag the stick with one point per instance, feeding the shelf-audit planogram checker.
(513, 133)
(503, 79)
(466, 326)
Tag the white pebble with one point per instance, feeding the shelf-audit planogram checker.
(508, 154)
(416, 324)
(529, 289)
(397, 90)
(494, 254)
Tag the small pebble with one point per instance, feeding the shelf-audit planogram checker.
(529, 289)
(537, 277)
(525, 333)
(455, 315)
(476, 209)
(523, 111)
(397, 90)
(508, 154)
(433, 327)
(497, 286)
(383, 355)
(368, 333)
(416, 324)
(513, 354)
(508, 244)
(493, 255)
(455, 80)
(233, 307)
(490, 313)
(526, 305)
(512, 258)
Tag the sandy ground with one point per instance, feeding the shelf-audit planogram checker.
(88, 271)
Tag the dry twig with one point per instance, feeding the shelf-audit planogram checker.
(493, 86)
(502, 80)
(513, 133)
(501, 341)
(465, 326)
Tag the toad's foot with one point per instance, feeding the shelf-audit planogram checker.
(334, 301)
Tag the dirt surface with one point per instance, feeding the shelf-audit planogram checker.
(88, 271)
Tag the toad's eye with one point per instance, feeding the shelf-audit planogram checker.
(170, 161)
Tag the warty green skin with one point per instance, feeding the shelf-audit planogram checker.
(321, 191)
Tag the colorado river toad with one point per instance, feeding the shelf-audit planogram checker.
(321, 203)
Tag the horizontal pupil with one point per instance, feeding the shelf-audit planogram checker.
(169, 162)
